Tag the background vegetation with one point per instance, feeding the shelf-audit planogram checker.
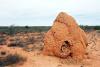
(16, 29)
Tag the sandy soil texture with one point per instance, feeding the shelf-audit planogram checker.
(34, 58)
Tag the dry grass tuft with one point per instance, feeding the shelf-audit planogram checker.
(11, 60)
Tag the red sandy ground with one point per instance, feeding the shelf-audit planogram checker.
(36, 59)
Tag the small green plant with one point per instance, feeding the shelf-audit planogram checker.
(11, 30)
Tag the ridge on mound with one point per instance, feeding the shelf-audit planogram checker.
(65, 38)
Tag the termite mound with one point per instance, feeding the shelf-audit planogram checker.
(65, 38)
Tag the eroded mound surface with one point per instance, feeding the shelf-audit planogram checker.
(65, 38)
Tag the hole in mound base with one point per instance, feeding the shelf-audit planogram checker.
(65, 48)
(65, 45)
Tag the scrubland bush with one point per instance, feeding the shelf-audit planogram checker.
(11, 60)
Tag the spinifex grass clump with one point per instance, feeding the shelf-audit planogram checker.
(11, 60)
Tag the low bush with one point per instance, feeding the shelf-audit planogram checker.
(11, 59)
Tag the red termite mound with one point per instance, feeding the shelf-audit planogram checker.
(65, 38)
